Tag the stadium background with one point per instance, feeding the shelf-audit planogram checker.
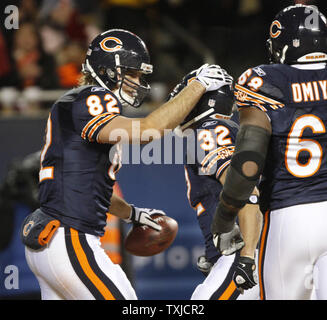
(42, 58)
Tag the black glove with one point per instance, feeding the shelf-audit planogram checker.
(244, 276)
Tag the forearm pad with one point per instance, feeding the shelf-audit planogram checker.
(223, 220)
(251, 145)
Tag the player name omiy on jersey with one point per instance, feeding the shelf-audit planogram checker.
(309, 91)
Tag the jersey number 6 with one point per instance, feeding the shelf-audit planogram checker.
(296, 145)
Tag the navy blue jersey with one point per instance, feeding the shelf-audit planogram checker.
(76, 175)
(295, 100)
(206, 160)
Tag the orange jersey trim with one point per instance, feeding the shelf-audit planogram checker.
(270, 101)
(98, 124)
(212, 153)
(93, 121)
(221, 169)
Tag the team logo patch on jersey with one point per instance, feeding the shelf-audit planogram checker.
(94, 89)
(241, 96)
(210, 160)
(259, 71)
(209, 123)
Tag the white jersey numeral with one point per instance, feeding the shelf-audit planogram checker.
(296, 144)
(95, 107)
(208, 140)
(46, 172)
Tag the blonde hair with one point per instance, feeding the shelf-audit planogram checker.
(86, 79)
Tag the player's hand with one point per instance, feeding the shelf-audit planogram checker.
(143, 216)
(204, 265)
(213, 77)
(244, 275)
(229, 242)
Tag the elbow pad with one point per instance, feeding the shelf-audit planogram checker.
(251, 146)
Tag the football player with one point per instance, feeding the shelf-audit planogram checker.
(77, 175)
(283, 137)
(210, 126)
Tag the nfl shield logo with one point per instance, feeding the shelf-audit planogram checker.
(296, 43)
(211, 103)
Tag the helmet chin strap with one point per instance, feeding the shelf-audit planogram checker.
(94, 75)
(123, 97)
(178, 132)
(282, 59)
(197, 118)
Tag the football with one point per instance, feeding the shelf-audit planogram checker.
(144, 241)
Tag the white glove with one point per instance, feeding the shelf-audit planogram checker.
(143, 216)
(229, 242)
(213, 77)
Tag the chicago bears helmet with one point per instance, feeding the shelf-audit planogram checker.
(214, 104)
(298, 34)
(111, 55)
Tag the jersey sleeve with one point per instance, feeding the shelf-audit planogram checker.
(215, 147)
(255, 89)
(92, 110)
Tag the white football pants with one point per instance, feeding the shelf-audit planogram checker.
(293, 253)
(73, 266)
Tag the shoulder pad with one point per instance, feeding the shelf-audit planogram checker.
(259, 71)
(72, 94)
(257, 86)
(269, 73)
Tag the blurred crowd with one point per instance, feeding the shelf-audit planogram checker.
(47, 50)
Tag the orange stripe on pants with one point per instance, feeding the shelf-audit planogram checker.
(82, 259)
(262, 246)
(228, 292)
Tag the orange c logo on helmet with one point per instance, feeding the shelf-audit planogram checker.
(118, 45)
(278, 32)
